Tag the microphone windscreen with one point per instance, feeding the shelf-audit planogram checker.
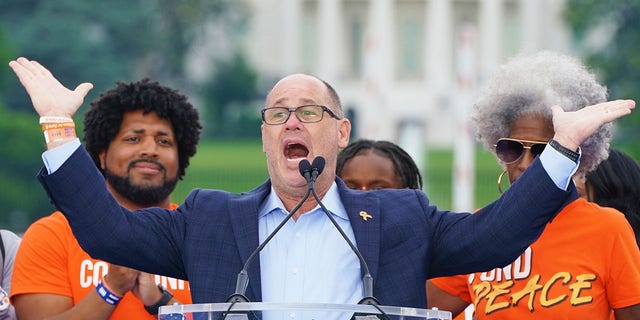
(305, 167)
(318, 164)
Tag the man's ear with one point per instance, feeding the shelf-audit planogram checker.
(344, 132)
(262, 137)
(102, 156)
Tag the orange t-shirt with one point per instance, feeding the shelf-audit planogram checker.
(585, 263)
(50, 260)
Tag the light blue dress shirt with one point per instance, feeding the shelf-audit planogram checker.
(308, 260)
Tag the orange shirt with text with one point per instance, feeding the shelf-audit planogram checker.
(585, 263)
(51, 261)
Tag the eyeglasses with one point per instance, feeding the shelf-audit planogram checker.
(306, 114)
(511, 150)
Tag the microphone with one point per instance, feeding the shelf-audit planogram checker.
(308, 172)
(305, 169)
(367, 279)
(316, 168)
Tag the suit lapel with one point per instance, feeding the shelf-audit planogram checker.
(364, 216)
(243, 213)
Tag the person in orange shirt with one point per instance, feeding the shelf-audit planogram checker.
(372, 165)
(586, 263)
(141, 136)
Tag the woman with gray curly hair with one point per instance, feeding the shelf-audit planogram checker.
(574, 270)
(527, 87)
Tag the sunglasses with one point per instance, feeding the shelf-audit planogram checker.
(511, 150)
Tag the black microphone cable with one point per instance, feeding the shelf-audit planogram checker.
(243, 277)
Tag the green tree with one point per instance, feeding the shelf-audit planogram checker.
(22, 198)
(96, 41)
(6, 53)
(231, 100)
(618, 59)
(108, 41)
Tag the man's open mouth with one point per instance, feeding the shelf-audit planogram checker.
(295, 151)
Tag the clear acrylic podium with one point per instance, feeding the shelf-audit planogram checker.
(295, 311)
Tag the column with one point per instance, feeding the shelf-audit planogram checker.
(464, 145)
(330, 43)
(491, 24)
(378, 70)
(291, 26)
(439, 49)
(529, 15)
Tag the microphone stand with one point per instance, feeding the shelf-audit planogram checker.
(243, 276)
(310, 172)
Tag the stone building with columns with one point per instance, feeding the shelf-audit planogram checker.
(403, 68)
(407, 70)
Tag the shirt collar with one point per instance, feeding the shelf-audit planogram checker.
(331, 201)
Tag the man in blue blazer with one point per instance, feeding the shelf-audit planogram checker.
(208, 239)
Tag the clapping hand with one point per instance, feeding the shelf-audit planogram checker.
(146, 289)
(121, 279)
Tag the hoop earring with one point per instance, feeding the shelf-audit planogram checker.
(500, 182)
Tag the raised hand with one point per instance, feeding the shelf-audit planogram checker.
(572, 128)
(48, 95)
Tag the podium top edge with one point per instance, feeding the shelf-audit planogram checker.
(269, 306)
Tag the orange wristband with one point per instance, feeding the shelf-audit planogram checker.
(57, 128)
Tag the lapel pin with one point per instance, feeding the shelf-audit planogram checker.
(365, 215)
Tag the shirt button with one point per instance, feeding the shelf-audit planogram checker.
(298, 234)
(295, 270)
(292, 315)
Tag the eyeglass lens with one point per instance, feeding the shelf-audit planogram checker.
(511, 150)
(279, 115)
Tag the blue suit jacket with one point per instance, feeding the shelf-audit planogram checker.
(210, 236)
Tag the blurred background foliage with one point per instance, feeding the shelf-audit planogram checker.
(107, 41)
(103, 42)
(607, 32)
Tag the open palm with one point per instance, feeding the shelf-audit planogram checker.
(572, 128)
(48, 95)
